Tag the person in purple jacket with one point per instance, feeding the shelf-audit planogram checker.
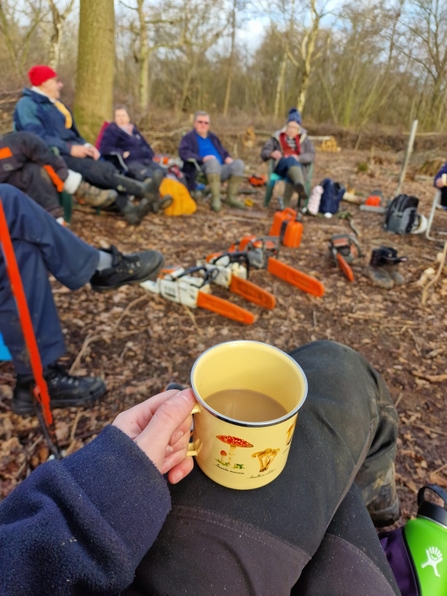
(202, 148)
(441, 183)
(97, 521)
(123, 137)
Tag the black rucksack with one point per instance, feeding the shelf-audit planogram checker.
(332, 195)
(400, 215)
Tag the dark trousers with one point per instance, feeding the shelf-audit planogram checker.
(283, 166)
(140, 170)
(41, 245)
(444, 197)
(35, 182)
(307, 533)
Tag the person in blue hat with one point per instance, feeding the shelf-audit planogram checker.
(292, 151)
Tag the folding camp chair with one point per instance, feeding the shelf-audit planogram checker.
(274, 178)
(435, 205)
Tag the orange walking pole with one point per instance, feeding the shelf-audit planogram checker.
(41, 390)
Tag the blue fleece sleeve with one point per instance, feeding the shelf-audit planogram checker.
(26, 118)
(83, 524)
(442, 171)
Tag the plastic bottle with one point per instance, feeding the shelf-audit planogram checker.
(426, 538)
(314, 200)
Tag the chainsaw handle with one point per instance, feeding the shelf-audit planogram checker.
(208, 274)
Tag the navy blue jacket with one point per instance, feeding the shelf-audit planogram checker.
(37, 113)
(442, 171)
(83, 524)
(189, 149)
(116, 140)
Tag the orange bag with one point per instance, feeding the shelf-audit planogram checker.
(182, 202)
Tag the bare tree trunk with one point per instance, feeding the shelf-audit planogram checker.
(280, 84)
(230, 60)
(58, 19)
(308, 47)
(96, 61)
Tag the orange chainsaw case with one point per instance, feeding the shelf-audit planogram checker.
(287, 228)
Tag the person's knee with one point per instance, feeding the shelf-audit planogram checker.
(212, 167)
(237, 168)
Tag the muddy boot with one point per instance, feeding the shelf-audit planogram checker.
(380, 497)
(86, 194)
(394, 274)
(288, 194)
(379, 277)
(232, 188)
(134, 214)
(214, 184)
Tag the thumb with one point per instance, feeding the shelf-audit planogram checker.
(154, 439)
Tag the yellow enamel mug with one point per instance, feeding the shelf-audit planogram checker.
(236, 453)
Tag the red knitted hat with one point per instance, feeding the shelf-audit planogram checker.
(41, 73)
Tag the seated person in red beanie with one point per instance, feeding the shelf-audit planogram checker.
(123, 137)
(40, 111)
(28, 164)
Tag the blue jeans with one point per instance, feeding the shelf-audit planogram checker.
(41, 245)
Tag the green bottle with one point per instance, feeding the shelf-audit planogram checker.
(426, 538)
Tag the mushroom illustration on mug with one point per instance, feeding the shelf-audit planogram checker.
(232, 442)
(265, 458)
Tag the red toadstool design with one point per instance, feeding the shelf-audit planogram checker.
(233, 442)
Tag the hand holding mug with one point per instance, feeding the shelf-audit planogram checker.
(160, 426)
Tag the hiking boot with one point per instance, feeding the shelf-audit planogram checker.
(380, 277)
(86, 194)
(127, 269)
(232, 188)
(397, 278)
(65, 390)
(381, 499)
(214, 184)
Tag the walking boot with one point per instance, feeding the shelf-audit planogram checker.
(232, 188)
(214, 184)
(65, 390)
(149, 189)
(86, 194)
(288, 194)
(380, 277)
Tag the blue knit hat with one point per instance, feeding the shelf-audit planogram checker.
(294, 116)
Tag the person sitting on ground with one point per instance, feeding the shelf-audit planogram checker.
(441, 183)
(40, 111)
(98, 520)
(291, 150)
(42, 245)
(123, 137)
(202, 147)
(28, 164)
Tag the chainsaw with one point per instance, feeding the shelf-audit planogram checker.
(344, 250)
(192, 288)
(230, 270)
(261, 253)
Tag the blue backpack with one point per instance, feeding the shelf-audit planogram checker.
(332, 195)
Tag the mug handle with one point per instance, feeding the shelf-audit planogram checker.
(192, 451)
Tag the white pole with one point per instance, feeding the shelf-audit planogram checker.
(407, 157)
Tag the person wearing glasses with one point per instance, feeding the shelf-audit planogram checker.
(202, 149)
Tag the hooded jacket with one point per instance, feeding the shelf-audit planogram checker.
(117, 140)
(307, 154)
(37, 113)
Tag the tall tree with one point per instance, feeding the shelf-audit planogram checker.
(96, 60)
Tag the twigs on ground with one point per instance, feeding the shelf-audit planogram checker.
(436, 277)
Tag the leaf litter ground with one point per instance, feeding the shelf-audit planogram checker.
(139, 342)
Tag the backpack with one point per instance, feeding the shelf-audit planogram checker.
(400, 214)
(332, 195)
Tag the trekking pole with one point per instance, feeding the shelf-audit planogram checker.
(40, 391)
